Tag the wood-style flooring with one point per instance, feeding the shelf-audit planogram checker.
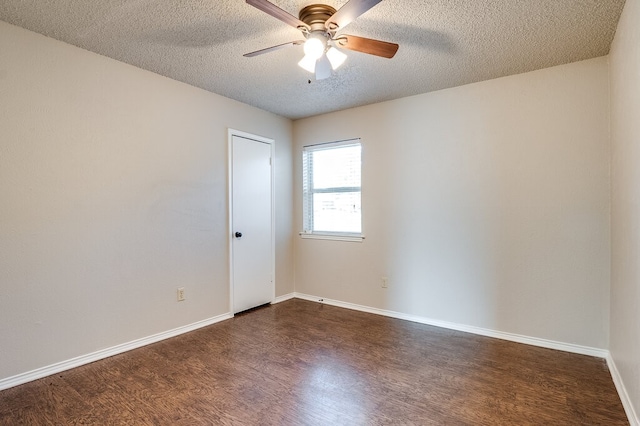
(304, 363)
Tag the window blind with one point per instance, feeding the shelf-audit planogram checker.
(332, 188)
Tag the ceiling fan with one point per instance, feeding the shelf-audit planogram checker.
(319, 24)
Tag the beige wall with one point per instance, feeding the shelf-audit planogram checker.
(113, 189)
(625, 205)
(486, 205)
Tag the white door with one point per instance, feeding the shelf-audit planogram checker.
(251, 223)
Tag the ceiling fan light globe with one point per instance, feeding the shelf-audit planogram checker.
(314, 47)
(308, 63)
(336, 57)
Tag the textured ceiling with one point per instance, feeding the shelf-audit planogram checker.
(443, 43)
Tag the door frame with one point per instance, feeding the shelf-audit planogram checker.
(271, 142)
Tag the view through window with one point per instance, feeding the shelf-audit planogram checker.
(332, 187)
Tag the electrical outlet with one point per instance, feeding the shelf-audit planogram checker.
(180, 294)
(385, 282)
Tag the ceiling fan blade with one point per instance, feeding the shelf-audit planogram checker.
(349, 12)
(323, 68)
(276, 12)
(367, 45)
(272, 48)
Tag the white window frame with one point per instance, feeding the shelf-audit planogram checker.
(307, 196)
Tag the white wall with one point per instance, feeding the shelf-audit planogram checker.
(486, 205)
(625, 204)
(113, 193)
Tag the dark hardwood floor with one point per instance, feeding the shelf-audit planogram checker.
(303, 363)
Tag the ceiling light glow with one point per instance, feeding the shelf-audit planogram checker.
(314, 46)
(336, 57)
(308, 63)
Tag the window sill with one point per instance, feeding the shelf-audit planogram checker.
(333, 237)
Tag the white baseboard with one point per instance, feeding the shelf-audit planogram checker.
(283, 298)
(105, 353)
(622, 391)
(534, 341)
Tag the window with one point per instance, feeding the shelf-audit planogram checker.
(331, 190)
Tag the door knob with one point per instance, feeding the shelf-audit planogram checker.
(238, 234)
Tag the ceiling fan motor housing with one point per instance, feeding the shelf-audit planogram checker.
(315, 15)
